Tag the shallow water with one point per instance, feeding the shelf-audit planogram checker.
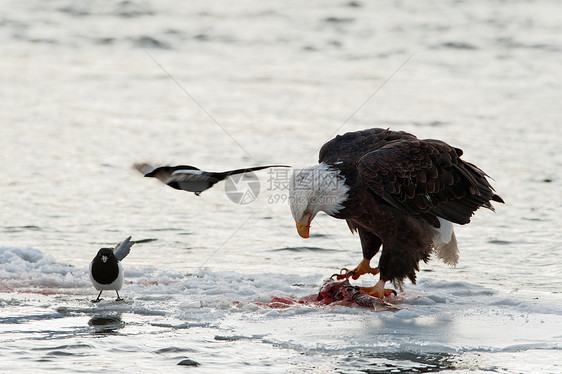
(89, 88)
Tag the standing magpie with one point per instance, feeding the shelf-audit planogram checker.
(106, 272)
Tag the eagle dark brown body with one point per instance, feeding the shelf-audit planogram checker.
(400, 191)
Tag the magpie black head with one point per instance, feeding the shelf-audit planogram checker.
(152, 174)
(168, 169)
(105, 256)
(105, 266)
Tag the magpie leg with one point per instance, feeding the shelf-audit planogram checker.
(98, 299)
(118, 297)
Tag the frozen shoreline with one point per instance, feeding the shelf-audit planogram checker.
(441, 321)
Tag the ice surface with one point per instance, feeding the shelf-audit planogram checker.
(439, 317)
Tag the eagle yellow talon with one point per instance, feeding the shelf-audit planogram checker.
(378, 290)
(364, 267)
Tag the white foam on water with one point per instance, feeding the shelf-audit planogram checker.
(30, 268)
(437, 315)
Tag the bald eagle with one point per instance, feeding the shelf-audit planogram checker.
(396, 191)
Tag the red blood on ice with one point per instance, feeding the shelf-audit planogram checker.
(338, 293)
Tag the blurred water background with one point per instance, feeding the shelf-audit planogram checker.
(91, 87)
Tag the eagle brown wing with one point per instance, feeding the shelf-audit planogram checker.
(426, 178)
(351, 146)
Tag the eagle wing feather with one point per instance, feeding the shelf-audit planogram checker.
(427, 178)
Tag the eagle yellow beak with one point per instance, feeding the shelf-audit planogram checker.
(304, 228)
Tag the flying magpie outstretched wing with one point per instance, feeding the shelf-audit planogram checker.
(192, 179)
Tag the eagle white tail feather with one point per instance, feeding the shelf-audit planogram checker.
(445, 243)
(448, 252)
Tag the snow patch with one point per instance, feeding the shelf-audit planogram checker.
(436, 314)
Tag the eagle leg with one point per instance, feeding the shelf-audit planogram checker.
(344, 273)
(364, 267)
(378, 290)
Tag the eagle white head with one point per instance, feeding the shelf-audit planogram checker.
(315, 189)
